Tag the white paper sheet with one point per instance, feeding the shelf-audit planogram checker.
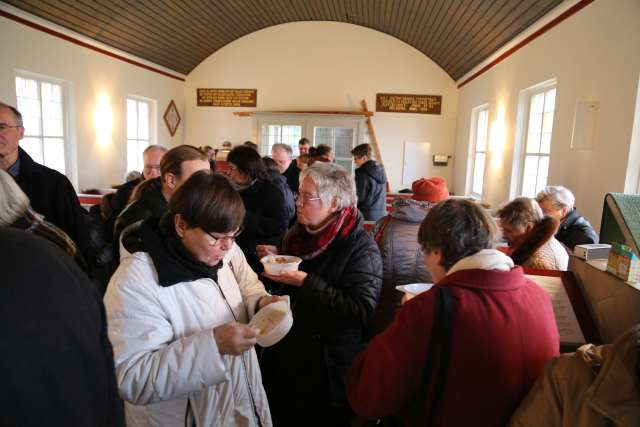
(566, 320)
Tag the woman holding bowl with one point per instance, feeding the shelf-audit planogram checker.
(333, 296)
(178, 308)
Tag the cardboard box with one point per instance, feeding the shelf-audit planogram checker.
(624, 263)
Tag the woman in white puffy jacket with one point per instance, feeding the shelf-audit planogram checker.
(177, 310)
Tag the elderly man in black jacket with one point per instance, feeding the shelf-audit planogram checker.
(50, 192)
(558, 202)
(57, 363)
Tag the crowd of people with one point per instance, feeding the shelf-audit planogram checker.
(162, 337)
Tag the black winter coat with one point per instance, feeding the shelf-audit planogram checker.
(266, 220)
(303, 373)
(576, 230)
(289, 201)
(52, 195)
(371, 181)
(292, 174)
(57, 363)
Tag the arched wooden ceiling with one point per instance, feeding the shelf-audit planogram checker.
(179, 34)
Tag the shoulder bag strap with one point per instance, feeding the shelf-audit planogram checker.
(424, 412)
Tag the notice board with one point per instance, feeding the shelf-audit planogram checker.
(210, 97)
(405, 103)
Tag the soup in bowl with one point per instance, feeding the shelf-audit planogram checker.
(274, 264)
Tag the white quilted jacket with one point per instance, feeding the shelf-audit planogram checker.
(168, 367)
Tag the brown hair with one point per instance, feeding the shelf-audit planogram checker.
(520, 212)
(172, 160)
(208, 201)
(457, 228)
(362, 150)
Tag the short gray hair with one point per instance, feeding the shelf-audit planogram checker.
(280, 146)
(560, 197)
(155, 147)
(13, 201)
(333, 182)
(15, 112)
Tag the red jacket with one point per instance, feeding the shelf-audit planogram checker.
(504, 332)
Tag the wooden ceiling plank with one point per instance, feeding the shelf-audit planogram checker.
(446, 21)
(267, 18)
(431, 23)
(496, 27)
(210, 21)
(471, 30)
(172, 28)
(399, 14)
(514, 24)
(448, 31)
(217, 24)
(126, 30)
(244, 26)
(421, 26)
(403, 21)
(310, 10)
(57, 12)
(231, 18)
(405, 31)
(458, 28)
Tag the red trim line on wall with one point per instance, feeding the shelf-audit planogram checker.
(566, 14)
(84, 44)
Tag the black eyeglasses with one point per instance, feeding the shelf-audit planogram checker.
(215, 241)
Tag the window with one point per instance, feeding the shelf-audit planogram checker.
(537, 140)
(340, 139)
(41, 103)
(480, 131)
(138, 132)
(280, 134)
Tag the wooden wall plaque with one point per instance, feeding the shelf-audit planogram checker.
(208, 97)
(405, 103)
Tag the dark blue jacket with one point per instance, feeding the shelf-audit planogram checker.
(371, 181)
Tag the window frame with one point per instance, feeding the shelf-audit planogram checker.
(523, 119)
(309, 123)
(68, 136)
(473, 151)
(152, 128)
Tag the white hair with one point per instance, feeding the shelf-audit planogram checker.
(333, 183)
(561, 197)
(13, 201)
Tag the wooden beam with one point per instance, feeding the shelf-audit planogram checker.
(372, 137)
(334, 113)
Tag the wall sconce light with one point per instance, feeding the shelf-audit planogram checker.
(496, 142)
(103, 120)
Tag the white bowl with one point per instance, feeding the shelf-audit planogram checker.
(274, 264)
(414, 289)
(274, 321)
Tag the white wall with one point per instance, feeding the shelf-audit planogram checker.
(325, 66)
(89, 75)
(595, 56)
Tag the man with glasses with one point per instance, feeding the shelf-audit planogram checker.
(50, 192)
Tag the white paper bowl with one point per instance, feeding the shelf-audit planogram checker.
(271, 266)
(414, 289)
(274, 321)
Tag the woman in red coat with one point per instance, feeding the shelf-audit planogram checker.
(504, 331)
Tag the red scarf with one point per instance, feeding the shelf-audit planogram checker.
(301, 243)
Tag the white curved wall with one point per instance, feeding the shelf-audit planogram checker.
(325, 66)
